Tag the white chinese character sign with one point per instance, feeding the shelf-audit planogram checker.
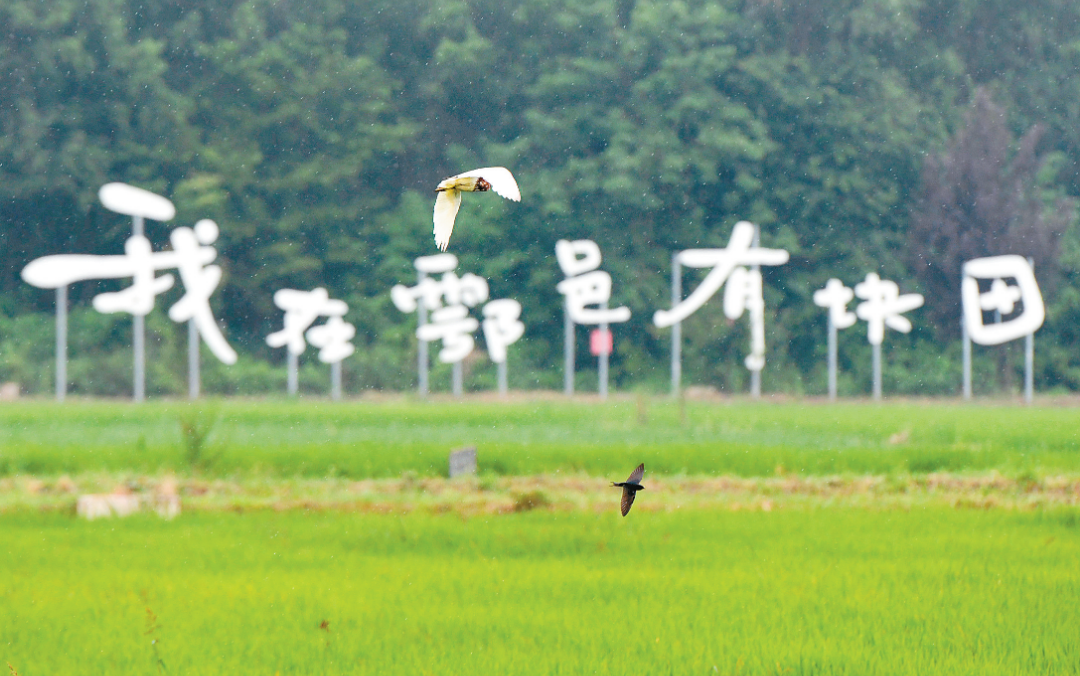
(449, 299)
(883, 306)
(585, 285)
(744, 290)
(191, 256)
(1017, 309)
(835, 297)
(1002, 299)
(1001, 302)
(302, 309)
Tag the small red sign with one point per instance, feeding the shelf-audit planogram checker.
(600, 342)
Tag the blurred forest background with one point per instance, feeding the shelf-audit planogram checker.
(896, 136)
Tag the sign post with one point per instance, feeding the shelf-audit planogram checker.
(835, 297)
(61, 341)
(568, 351)
(139, 204)
(600, 345)
(1001, 299)
(585, 285)
(676, 328)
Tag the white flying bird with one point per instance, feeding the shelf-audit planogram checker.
(448, 201)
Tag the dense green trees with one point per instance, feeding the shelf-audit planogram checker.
(315, 132)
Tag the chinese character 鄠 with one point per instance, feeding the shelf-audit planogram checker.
(450, 322)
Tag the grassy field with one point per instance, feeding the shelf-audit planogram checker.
(380, 439)
(772, 538)
(810, 591)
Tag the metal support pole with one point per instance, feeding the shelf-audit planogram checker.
(1029, 367)
(139, 333)
(676, 329)
(877, 372)
(193, 360)
(502, 377)
(832, 358)
(139, 343)
(967, 360)
(422, 351)
(756, 324)
(755, 384)
(604, 356)
(335, 381)
(293, 361)
(61, 342)
(458, 377)
(568, 345)
(1029, 358)
(1004, 347)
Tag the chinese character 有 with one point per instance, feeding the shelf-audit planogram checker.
(744, 286)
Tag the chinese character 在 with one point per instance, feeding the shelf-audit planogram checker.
(884, 306)
(191, 256)
(332, 339)
(302, 308)
(1001, 298)
(585, 285)
(744, 285)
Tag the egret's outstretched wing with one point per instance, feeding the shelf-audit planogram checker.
(635, 476)
(447, 203)
(501, 180)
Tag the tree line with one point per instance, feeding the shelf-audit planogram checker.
(889, 136)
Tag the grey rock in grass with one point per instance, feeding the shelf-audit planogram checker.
(463, 462)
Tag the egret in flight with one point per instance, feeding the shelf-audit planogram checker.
(448, 200)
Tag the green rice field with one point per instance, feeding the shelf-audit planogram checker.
(379, 439)
(322, 538)
(819, 591)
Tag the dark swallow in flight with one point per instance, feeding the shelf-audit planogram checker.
(630, 487)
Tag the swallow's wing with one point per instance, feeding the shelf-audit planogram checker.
(635, 476)
(628, 495)
(501, 180)
(447, 204)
